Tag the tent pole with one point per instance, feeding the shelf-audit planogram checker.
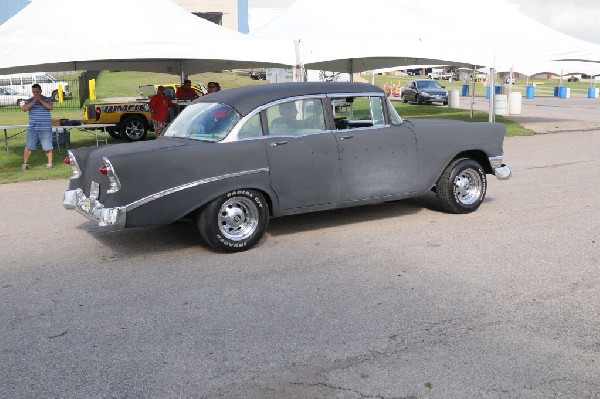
(473, 92)
(297, 68)
(351, 69)
(492, 88)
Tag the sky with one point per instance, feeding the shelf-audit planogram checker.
(578, 18)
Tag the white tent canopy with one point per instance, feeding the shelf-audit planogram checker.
(351, 35)
(139, 35)
(501, 37)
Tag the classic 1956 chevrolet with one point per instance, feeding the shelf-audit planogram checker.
(235, 158)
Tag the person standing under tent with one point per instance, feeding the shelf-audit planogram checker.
(39, 132)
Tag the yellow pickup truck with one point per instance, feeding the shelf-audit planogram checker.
(132, 119)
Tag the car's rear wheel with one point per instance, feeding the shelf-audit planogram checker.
(133, 128)
(403, 98)
(20, 103)
(234, 222)
(462, 186)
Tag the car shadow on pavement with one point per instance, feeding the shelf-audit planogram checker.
(146, 240)
(184, 234)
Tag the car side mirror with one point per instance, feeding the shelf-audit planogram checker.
(443, 87)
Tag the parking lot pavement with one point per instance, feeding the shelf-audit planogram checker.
(398, 300)
(550, 114)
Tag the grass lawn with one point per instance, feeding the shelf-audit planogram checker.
(125, 84)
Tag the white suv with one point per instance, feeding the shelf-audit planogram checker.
(22, 82)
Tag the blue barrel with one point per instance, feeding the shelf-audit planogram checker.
(562, 92)
(556, 92)
(465, 90)
(530, 92)
(498, 90)
(487, 92)
(591, 92)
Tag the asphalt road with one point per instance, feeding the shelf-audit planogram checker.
(390, 301)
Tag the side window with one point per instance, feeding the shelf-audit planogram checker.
(27, 80)
(4, 82)
(15, 81)
(296, 118)
(357, 112)
(251, 129)
(42, 79)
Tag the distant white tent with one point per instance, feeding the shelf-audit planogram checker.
(137, 35)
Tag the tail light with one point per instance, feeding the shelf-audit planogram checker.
(108, 171)
(70, 160)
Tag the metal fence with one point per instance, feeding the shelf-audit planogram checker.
(78, 86)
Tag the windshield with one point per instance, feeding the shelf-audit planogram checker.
(424, 84)
(204, 121)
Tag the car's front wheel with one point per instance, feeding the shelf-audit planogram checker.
(234, 222)
(462, 186)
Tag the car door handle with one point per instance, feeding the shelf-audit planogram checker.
(275, 144)
(346, 137)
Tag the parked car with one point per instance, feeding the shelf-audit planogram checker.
(258, 75)
(424, 91)
(573, 79)
(440, 75)
(233, 159)
(509, 80)
(11, 97)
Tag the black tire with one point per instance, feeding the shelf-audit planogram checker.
(234, 222)
(115, 134)
(462, 186)
(404, 99)
(20, 103)
(54, 96)
(445, 103)
(133, 128)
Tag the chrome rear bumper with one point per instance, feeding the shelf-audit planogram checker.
(91, 208)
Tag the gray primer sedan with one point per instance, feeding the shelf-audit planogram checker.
(233, 159)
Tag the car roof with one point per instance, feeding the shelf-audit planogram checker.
(245, 99)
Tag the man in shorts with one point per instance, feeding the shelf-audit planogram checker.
(159, 105)
(39, 132)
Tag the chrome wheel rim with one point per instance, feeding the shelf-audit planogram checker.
(468, 187)
(238, 218)
(134, 130)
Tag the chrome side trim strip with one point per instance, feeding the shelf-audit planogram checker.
(186, 186)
